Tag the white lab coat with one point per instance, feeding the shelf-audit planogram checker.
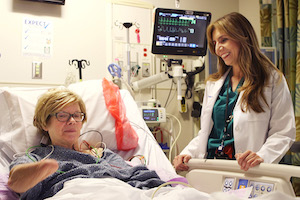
(270, 134)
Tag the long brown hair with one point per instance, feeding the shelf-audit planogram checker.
(255, 66)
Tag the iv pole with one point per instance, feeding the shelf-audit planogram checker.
(127, 25)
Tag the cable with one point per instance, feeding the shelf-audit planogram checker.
(169, 183)
(179, 132)
(93, 131)
(190, 80)
(115, 70)
(169, 94)
(170, 134)
(47, 156)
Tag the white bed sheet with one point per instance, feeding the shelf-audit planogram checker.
(112, 189)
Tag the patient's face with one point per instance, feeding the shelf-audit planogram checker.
(65, 134)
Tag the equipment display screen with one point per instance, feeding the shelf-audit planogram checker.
(180, 32)
(150, 115)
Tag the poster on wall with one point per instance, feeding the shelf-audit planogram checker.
(37, 37)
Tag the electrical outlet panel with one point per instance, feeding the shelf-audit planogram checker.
(37, 70)
(145, 69)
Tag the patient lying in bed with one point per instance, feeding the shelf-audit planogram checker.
(74, 164)
(60, 114)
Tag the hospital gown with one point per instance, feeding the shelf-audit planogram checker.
(74, 164)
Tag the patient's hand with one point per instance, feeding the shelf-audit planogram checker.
(25, 176)
(180, 161)
(248, 159)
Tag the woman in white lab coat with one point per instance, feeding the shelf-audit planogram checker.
(247, 111)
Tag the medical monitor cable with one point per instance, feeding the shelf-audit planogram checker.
(178, 134)
(166, 104)
(170, 183)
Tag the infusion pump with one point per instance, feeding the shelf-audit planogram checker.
(153, 114)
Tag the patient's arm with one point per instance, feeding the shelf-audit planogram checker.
(25, 176)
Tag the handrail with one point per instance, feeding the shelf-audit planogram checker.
(265, 169)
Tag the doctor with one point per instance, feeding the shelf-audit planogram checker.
(247, 110)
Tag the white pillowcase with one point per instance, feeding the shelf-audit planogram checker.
(98, 117)
(17, 105)
(17, 132)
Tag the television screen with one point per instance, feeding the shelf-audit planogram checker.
(180, 32)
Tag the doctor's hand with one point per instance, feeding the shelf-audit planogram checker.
(180, 161)
(248, 159)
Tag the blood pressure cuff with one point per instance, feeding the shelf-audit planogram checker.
(125, 135)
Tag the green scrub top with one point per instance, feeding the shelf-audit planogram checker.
(218, 117)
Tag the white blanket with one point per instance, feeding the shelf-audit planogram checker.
(112, 189)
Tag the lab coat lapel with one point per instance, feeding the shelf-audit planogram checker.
(212, 95)
(216, 88)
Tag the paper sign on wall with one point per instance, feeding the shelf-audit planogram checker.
(37, 37)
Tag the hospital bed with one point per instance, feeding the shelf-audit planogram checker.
(207, 178)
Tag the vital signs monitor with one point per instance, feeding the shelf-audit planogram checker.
(180, 32)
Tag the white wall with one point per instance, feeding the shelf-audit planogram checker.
(251, 10)
(78, 33)
(83, 30)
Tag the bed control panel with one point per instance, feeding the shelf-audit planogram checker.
(228, 184)
(215, 175)
(258, 188)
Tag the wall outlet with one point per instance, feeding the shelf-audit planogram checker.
(145, 69)
(37, 69)
(163, 66)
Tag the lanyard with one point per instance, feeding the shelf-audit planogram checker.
(230, 117)
(220, 150)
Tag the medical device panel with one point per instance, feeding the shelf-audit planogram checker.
(225, 175)
(180, 32)
(153, 115)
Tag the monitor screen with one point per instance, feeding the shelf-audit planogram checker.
(180, 32)
(150, 114)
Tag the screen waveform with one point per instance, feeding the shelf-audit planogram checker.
(172, 29)
(176, 21)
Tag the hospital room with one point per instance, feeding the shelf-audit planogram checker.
(148, 99)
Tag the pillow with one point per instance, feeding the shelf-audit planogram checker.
(17, 105)
(17, 132)
(98, 117)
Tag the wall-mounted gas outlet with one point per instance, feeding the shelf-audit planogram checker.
(37, 70)
(163, 66)
(146, 69)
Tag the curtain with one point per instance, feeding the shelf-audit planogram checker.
(280, 28)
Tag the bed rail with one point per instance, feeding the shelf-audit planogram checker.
(212, 175)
